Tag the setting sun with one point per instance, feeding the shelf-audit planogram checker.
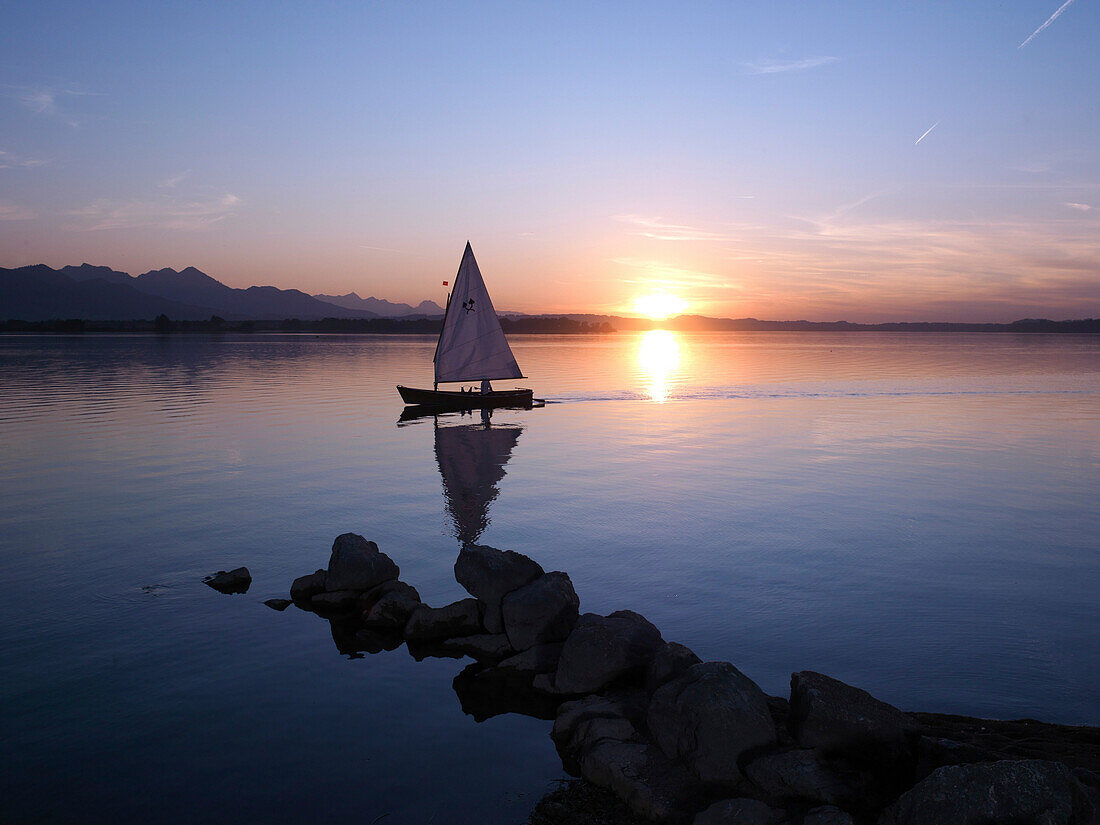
(659, 305)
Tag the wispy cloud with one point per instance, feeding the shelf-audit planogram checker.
(1050, 20)
(13, 212)
(1080, 207)
(656, 228)
(172, 182)
(10, 161)
(47, 100)
(927, 132)
(777, 66)
(164, 213)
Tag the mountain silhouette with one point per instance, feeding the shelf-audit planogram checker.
(39, 293)
(99, 293)
(381, 307)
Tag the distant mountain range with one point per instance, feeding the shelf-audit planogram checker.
(381, 308)
(99, 293)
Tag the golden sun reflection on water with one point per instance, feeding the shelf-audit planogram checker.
(659, 359)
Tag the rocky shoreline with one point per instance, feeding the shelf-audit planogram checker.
(678, 740)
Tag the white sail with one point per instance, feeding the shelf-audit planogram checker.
(472, 345)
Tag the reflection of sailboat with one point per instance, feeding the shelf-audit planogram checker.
(471, 460)
(471, 347)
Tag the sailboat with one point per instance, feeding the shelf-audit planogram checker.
(471, 348)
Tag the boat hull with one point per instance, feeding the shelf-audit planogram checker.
(453, 400)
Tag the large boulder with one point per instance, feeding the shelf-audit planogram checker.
(603, 649)
(489, 575)
(358, 564)
(392, 610)
(544, 610)
(655, 787)
(709, 717)
(828, 714)
(538, 659)
(306, 587)
(671, 660)
(741, 811)
(827, 815)
(994, 793)
(801, 774)
(370, 598)
(461, 618)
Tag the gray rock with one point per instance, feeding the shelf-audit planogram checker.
(602, 649)
(305, 588)
(481, 647)
(572, 714)
(233, 581)
(334, 600)
(393, 610)
(538, 659)
(671, 660)
(370, 598)
(461, 618)
(278, 604)
(490, 574)
(827, 815)
(653, 786)
(826, 713)
(797, 774)
(994, 793)
(544, 610)
(739, 812)
(709, 717)
(357, 564)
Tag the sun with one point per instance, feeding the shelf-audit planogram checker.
(659, 305)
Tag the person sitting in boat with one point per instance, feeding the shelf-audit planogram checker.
(486, 387)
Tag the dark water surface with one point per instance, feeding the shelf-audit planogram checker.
(915, 514)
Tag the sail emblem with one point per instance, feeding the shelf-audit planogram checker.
(468, 306)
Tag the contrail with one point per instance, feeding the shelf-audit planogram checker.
(1050, 20)
(937, 123)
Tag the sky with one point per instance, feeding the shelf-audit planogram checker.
(825, 160)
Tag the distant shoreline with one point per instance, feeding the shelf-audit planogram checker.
(526, 325)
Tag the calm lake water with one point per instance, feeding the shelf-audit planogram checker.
(914, 514)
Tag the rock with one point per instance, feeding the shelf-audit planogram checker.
(538, 659)
(393, 610)
(798, 774)
(671, 660)
(653, 786)
(828, 714)
(710, 716)
(235, 581)
(602, 649)
(994, 793)
(371, 597)
(334, 600)
(935, 753)
(544, 610)
(357, 564)
(484, 646)
(573, 714)
(827, 815)
(278, 604)
(739, 812)
(490, 574)
(460, 618)
(305, 588)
